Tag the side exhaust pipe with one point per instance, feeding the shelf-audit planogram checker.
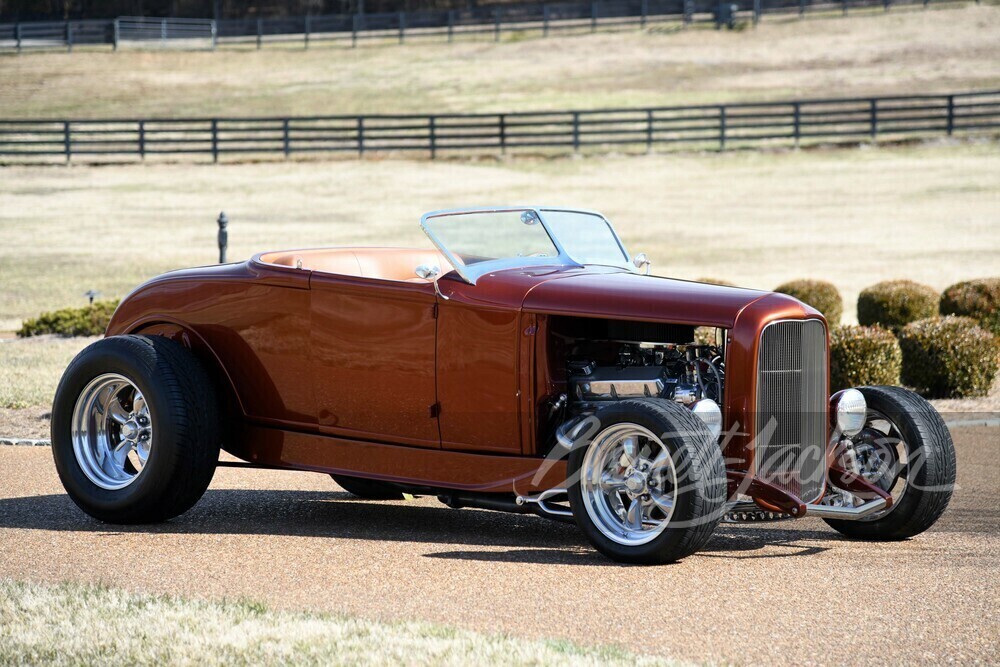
(859, 512)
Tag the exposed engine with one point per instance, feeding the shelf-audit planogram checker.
(682, 373)
(610, 361)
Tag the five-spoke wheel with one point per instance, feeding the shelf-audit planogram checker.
(649, 486)
(629, 484)
(112, 431)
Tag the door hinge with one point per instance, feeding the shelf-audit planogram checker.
(435, 410)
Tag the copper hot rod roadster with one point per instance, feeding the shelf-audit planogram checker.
(526, 364)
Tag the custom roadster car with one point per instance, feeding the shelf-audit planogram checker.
(524, 364)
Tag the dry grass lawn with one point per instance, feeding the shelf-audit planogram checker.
(930, 213)
(29, 372)
(74, 624)
(907, 50)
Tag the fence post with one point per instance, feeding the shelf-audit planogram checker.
(873, 114)
(886, 4)
(496, 24)
(802, 8)
(756, 11)
(545, 20)
(722, 127)
(117, 35)
(142, 140)
(17, 36)
(402, 26)
(649, 130)
(307, 29)
(215, 140)
(260, 33)
(67, 146)
(502, 123)
(845, 7)
(593, 16)
(215, 34)
(286, 144)
(361, 136)
(432, 135)
(163, 30)
(796, 122)
(688, 11)
(354, 30)
(951, 115)
(576, 131)
(451, 25)
(645, 13)
(69, 37)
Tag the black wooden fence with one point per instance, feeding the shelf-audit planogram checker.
(701, 127)
(485, 22)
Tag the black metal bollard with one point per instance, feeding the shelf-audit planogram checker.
(223, 236)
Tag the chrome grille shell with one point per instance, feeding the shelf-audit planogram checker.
(791, 428)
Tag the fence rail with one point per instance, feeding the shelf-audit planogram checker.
(484, 22)
(701, 127)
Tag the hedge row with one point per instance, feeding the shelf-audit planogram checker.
(863, 356)
(978, 299)
(819, 294)
(90, 320)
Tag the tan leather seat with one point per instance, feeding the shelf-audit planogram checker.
(397, 264)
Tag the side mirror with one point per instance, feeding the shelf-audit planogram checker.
(427, 272)
(642, 261)
(431, 273)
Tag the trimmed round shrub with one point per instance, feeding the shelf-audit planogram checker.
(978, 299)
(895, 303)
(90, 320)
(819, 294)
(949, 357)
(862, 356)
(715, 281)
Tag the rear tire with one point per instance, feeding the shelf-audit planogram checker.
(138, 394)
(368, 489)
(649, 487)
(929, 467)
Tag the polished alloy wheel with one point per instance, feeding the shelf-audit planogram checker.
(882, 458)
(112, 431)
(629, 484)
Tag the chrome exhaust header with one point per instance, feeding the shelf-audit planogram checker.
(541, 504)
(848, 513)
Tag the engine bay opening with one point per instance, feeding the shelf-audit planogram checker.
(596, 361)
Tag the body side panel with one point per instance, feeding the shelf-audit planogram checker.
(373, 349)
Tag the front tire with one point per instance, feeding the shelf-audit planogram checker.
(135, 429)
(649, 487)
(909, 453)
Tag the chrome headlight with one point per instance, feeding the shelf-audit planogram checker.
(850, 411)
(709, 412)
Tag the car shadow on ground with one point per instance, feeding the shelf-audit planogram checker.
(338, 515)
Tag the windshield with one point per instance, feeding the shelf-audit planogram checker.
(586, 237)
(481, 240)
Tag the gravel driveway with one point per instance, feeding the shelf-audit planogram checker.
(793, 592)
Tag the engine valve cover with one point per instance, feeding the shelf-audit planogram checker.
(610, 383)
